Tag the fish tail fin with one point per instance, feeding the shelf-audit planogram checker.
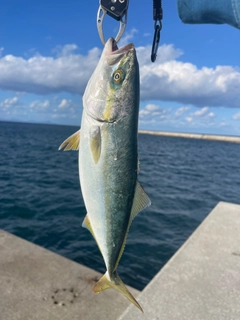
(115, 282)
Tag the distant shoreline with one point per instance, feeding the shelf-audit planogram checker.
(202, 136)
(233, 139)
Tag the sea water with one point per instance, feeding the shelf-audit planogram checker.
(40, 198)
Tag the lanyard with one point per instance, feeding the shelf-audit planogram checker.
(157, 17)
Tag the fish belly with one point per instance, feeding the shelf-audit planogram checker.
(108, 184)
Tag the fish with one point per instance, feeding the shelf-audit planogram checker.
(108, 157)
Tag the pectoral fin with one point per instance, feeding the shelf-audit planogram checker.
(71, 143)
(95, 143)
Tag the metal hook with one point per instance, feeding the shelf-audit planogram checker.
(100, 17)
(156, 40)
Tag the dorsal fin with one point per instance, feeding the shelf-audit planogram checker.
(72, 142)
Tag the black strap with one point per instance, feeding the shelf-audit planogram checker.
(157, 17)
(157, 10)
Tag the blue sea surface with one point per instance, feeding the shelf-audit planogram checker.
(40, 198)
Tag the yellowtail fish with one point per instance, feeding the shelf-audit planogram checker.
(108, 157)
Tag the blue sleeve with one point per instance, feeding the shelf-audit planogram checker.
(210, 11)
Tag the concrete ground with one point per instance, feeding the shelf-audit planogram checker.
(200, 282)
(36, 284)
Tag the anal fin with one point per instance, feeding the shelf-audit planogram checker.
(72, 142)
(87, 224)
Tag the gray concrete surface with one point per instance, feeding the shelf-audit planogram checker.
(36, 284)
(233, 139)
(202, 280)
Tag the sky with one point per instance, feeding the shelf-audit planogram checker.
(49, 49)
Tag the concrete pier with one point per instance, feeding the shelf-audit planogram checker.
(202, 136)
(36, 284)
(200, 282)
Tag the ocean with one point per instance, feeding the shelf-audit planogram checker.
(40, 198)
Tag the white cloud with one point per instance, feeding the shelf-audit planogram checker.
(8, 103)
(200, 115)
(172, 80)
(184, 82)
(189, 119)
(201, 112)
(65, 104)
(236, 116)
(128, 36)
(211, 115)
(166, 52)
(181, 111)
(152, 107)
(63, 51)
(1, 51)
(43, 75)
(39, 105)
(154, 112)
(149, 110)
(65, 107)
(167, 79)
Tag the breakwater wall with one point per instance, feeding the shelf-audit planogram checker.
(233, 139)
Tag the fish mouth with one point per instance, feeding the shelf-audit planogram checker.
(115, 54)
(124, 50)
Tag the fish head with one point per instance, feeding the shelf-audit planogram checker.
(112, 92)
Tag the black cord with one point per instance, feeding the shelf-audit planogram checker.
(157, 10)
(157, 17)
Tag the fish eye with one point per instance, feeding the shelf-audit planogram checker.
(118, 76)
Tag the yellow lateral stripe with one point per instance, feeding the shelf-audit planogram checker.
(109, 104)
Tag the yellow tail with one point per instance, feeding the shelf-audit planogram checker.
(116, 283)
